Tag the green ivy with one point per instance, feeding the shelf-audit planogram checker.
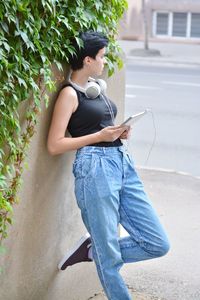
(33, 36)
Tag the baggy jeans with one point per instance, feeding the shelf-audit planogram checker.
(109, 192)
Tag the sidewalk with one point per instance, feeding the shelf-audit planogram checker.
(176, 198)
(135, 294)
(187, 55)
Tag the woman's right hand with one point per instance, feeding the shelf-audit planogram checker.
(110, 133)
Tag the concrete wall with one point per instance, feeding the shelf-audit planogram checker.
(47, 223)
(132, 23)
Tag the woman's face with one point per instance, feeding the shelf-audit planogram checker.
(96, 65)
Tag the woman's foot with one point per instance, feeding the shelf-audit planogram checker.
(78, 254)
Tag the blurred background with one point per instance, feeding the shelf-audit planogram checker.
(161, 40)
(161, 43)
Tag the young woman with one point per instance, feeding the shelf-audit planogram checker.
(107, 187)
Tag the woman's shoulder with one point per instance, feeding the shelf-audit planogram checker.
(67, 96)
(67, 89)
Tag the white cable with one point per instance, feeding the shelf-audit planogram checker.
(127, 144)
(154, 137)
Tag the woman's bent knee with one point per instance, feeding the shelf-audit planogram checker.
(164, 248)
(159, 249)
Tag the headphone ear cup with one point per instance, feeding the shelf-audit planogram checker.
(92, 90)
(102, 84)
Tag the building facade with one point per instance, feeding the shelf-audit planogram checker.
(174, 20)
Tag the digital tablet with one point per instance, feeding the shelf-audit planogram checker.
(132, 119)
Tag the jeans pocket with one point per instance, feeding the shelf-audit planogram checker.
(82, 166)
(79, 193)
(76, 168)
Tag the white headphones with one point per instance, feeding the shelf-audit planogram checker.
(93, 87)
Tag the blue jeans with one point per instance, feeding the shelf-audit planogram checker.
(109, 192)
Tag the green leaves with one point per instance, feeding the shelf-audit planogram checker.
(2, 181)
(25, 38)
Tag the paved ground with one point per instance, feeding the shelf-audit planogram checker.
(137, 296)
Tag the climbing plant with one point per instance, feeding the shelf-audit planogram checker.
(33, 36)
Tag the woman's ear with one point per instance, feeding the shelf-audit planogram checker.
(87, 60)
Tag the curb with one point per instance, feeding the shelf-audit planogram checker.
(167, 171)
(161, 61)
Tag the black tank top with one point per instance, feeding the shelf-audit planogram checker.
(91, 116)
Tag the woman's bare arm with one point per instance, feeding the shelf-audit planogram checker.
(57, 143)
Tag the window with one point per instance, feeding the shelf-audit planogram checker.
(195, 26)
(176, 24)
(179, 24)
(162, 23)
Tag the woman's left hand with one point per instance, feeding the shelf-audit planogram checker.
(126, 134)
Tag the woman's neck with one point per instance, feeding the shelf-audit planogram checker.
(79, 78)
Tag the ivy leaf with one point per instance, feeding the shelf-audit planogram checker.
(56, 30)
(8, 206)
(5, 27)
(1, 153)
(59, 65)
(65, 21)
(6, 46)
(71, 50)
(3, 183)
(98, 5)
(22, 82)
(79, 41)
(25, 38)
(120, 63)
(9, 220)
(43, 58)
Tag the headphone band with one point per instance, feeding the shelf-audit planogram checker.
(93, 88)
(76, 86)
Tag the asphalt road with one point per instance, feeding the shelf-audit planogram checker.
(173, 94)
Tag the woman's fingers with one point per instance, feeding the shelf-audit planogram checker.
(126, 134)
(111, 133)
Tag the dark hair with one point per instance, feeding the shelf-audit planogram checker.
(93, 41)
